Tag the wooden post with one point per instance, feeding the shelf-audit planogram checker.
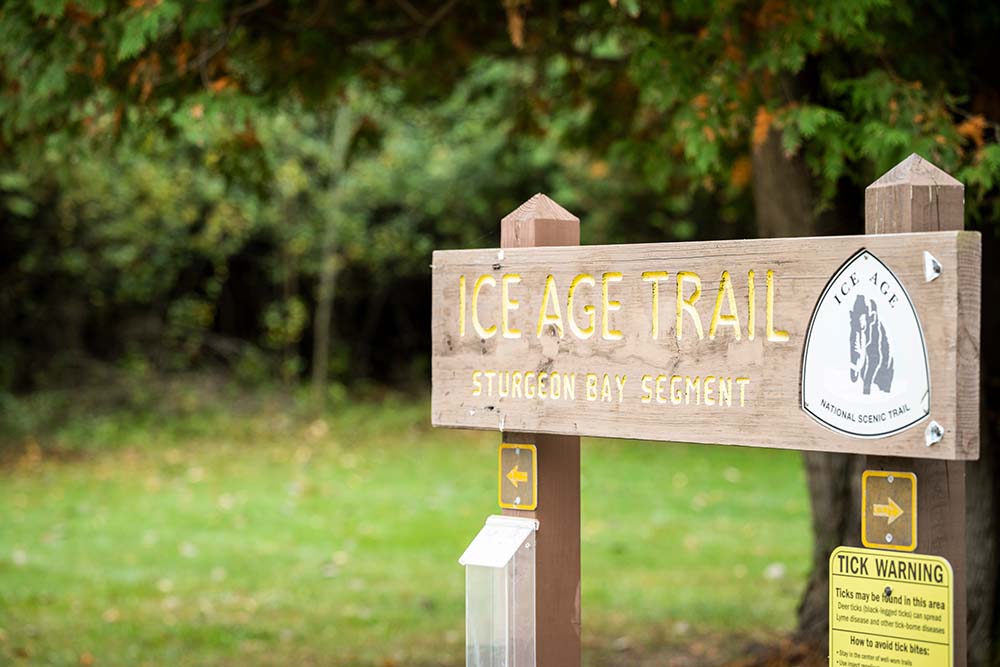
(541, 222)
(916, 196)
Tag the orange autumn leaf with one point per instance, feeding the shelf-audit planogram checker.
(741, 172)
(598, 169)
(515, 23)
(708, 132)
(700, 101)
(220, 84)
(973, 128)
(761, 126)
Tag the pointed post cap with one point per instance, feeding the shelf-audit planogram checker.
(539, 207)
(914, 196)
(915, 170)
(539, 222)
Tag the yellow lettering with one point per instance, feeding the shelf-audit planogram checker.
(515, 388)
(606, 388)
(709, 389)
(687, 305)
(647, 391)
(751, 306)
(588, 331)
(555, 386)
(544, 317)
(529, 389)
(675, 392)
(606, 331)
(569, 386)
(733, 318)
(542, 394)
(690, 384)
(655, 277)
(620, 382)
(489, 375)
(726, 391)
(591, 387)
(503, 391)
(488, 332)
(773, 335)
(477, 385)
(660, 379)
(742, 383)
(508, 304)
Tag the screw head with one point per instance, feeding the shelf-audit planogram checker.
(890, 478)
(888, 591)
(933, 434)
(888, 537)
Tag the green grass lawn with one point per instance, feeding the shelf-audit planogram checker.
(211, 529)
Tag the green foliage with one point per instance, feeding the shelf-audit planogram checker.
(176, 161)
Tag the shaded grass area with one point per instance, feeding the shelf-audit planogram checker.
(212, 527)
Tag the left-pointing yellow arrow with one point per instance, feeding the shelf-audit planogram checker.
(517, 476)
(892, 511)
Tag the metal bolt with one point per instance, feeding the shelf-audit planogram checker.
(890, 478)
(932, 267)
(888, 537)
(888, 591)
(933, 434)
(517, 501)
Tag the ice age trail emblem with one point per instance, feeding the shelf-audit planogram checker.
(864, 368)
(870, 357)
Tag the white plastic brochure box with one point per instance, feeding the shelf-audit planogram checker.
(500, 594)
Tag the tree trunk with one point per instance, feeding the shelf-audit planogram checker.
(981, 526)
(784, 205)
(344, 127)
(321, 324)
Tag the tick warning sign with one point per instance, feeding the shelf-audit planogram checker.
(890, 609)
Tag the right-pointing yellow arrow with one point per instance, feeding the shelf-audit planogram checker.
(515, 476)
(892, 511)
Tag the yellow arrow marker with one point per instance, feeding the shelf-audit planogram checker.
(892, 511)
(515, 476)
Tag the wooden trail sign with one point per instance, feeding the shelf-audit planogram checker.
(845, 344)
(861, 345)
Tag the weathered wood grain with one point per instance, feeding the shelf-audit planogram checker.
(771, 416)
(917, 196)
(542, 222)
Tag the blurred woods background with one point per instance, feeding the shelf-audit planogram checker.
(258, 186)
(255, 187)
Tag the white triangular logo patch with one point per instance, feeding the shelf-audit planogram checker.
(864, 369)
